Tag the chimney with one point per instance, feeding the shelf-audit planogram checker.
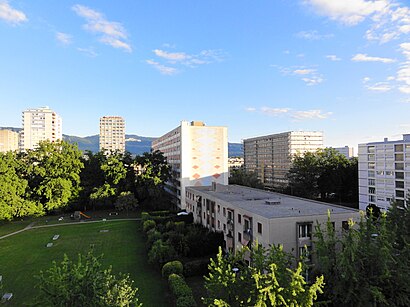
(386, 140)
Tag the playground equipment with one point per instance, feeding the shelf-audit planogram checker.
(78, 214)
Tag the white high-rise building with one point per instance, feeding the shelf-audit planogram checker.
(384, 172)
(112, 134)
(270, 156)
(9, 140)
(40, 125)
(347, 151)
(198, 155)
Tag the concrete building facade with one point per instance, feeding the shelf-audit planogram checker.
(384, 172)
(245, 214)
(9, 140)
(40, 125)
(270, 156)
(198, 155)
(347, 151)
(112, 134)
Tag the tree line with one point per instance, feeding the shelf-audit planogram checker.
(58, 175)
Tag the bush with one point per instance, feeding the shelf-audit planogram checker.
(185, 301)
(160, 213)
(172, 267)
(198, 267)
(169, 226)
(145, 216)
(148, 225)
(178, 286)
(161, 252)
(180, 227)
(152, 236)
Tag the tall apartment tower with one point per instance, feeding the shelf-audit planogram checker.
(39, 125)
(270, 156)
(112, 134)
(198, 155)
(9, 140)
(384, 172)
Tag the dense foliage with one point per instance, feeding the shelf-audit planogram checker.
(325, 173)
(242, 177)
(84, 283)
(370, 264)
(268, 280)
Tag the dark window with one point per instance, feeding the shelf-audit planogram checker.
(260, 228)
(239, 219)
(345, 225)
(239, 237)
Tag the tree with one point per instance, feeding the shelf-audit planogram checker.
(267, 281)
(14, 196)
(126, 201)
(53, 173)
(242, 177)
(304, 175)
(84, 283)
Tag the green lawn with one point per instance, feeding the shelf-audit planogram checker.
(9, 227)
(23, 255)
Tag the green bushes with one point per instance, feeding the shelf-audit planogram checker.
(172, 267)
(161, 252)
(181, 291)
(198, 267)
(148, 225)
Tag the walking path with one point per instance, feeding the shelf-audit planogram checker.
(31, 225)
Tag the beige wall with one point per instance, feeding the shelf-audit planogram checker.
(9, 140)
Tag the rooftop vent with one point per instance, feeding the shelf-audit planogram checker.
(275, 201)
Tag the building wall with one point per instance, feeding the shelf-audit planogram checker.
(271, 156)
(39, 125)
(384, 172)
(112, 134)
(9, 140)
(198, 155)
(347, 151)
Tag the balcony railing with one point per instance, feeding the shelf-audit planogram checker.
(247, 234)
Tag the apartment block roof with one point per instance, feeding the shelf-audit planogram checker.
(269, 204)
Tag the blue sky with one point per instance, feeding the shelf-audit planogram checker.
(258, 67)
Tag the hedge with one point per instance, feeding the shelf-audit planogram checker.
(181, 291)
(148, 225)
(172, 267)
(197, 267)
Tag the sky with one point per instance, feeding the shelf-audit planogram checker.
(257, 67)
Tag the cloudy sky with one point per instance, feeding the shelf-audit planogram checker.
(258, 67)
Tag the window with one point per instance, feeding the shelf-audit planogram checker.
(247, 224)
(370, 149)
(372, 182)
(372, 199)
(372, 190)
(371, 165)
(219, 224)
(224, 227)
(239, 218)
(219, 209)
(399, 185)
(398, 148)
(399, 193)
(305, 230)
(345, 225)
(239, 237)
(370, 173)
(260, 228)
(399, 175)
(399, 157)
(224, 211)
(399, 166)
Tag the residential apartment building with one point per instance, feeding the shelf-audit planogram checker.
(40, 125)
(347, 151)
(9, 140)
(384, 172)
(270, 156)
(245, 215)
(112, 134)
(198, 155)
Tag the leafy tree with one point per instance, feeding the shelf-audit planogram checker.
(267, 281)
(53, 173)
(304, 175)
(126, 201)
(84, 283)
(14, 196)
(242, 177)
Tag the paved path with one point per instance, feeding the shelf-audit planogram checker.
(31, 225)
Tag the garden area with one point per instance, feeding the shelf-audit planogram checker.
(24, 255)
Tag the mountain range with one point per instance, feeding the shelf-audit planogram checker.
(135, 144)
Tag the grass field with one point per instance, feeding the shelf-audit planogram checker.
(23, 255)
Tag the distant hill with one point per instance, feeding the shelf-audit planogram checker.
(135, 144)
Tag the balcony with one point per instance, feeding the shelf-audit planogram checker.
(247, 234)
(229, 241)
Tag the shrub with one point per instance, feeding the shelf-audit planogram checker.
(152, 236)
(169, 226)
(160, 213)
(172, 267)
(198, 267)
(148, 225)
(161, 252)
(180, 227)
(181, 291)
(145, 216)
(186, 301)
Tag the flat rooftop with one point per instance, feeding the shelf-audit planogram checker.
(255, 201)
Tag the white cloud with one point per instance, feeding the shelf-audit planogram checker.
(308, 75)
(250, 109)
(366, 79)
(313, 35)
(304, 71)
(403, 74)
(274, 111)
(349, 12)
(88, 51)
(64, 38)
(313, 80)
(310, 114)
(379, 87)
(113, 33)
(165, 70)
(360, 57)
(333, 57)
(173, 56)
(11, 15)
(390, 78)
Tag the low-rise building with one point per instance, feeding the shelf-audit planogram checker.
(245, 215)
(9, 140)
